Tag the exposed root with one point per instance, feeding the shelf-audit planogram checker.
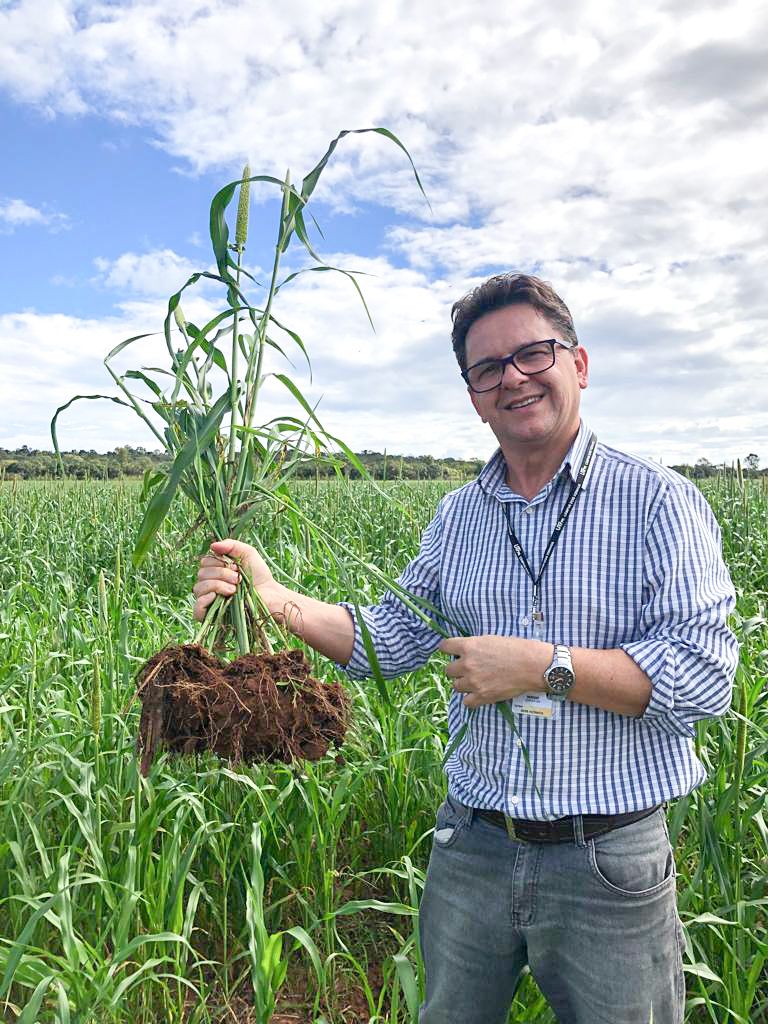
(264, 707)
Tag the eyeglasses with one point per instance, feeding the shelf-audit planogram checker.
(534, 358)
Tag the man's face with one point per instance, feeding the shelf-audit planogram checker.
(527, 412)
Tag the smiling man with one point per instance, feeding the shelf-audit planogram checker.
(589, 601)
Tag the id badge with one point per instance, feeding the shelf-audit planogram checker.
(537, 704)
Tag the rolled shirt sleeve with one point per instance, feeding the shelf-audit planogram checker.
(401, 639)
(684, 644)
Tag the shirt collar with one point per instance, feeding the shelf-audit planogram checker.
(494, 473)
(572, 461)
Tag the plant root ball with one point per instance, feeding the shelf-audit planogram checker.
(260, 707)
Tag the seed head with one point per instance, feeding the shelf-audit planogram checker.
(241, 225)
(102, 594)
(180, 319)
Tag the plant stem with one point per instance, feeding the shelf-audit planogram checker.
(233, 378)
(255, 361)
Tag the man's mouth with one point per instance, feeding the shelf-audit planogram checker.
(523, 402)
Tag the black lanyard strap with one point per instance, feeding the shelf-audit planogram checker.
(562, 519)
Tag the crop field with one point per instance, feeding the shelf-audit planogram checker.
(213, 892)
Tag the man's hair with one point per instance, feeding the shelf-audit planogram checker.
(509, 290)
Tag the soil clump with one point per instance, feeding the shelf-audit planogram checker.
(259, 707)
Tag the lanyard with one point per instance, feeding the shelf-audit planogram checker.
(517, 547)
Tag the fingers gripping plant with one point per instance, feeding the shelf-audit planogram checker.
(203, 412)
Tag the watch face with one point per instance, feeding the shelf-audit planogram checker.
(560, 679)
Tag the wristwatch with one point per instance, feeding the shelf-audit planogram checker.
(559, 676)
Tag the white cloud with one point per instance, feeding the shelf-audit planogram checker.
(158, 273)
(674, 382)
(612, 129)
(616, 150)
(16, 213)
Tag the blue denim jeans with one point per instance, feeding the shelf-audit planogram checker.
(595, 920)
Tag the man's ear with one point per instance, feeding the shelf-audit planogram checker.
(581, 359)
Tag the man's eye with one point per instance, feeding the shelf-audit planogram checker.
(533, 354)
(487, 370)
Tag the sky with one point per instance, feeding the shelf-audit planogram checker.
(617, 151)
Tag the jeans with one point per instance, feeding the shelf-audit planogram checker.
(595, 920)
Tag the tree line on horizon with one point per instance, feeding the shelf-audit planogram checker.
(27, 463)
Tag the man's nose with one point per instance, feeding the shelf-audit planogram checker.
(511, 377)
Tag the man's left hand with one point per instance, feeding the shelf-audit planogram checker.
(488, 669)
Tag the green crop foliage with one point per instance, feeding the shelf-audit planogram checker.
(126, 900)
(227, 464)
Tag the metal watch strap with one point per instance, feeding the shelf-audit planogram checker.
(561, 660)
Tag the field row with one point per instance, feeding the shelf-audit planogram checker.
(274, 892)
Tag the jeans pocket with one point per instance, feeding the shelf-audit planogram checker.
(449, 823)
(635, 861)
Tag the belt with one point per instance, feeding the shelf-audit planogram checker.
(561, 830)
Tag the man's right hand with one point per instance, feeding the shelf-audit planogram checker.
(326, 627)
(217, 576)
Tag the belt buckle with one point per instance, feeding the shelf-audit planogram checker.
(511, 832)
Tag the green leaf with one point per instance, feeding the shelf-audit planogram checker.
(506, 713)
(373, 661)
(131, 980)
(17, 950)
(78, 398)
(176, 892)
(707, 918)
(63, 1002)
(161, 501)
(218, 223)
(408, 982)
(128, 341)
(456, 740)
(355, 906)
(288, 383)
(214, 354)
(325, 268)
(138, 375)
(296, 338)
(702, 970)
(310, 181)
(150, 482)
(137, 941)
(31, 1010)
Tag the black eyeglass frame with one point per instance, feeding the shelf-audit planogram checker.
(513, 360)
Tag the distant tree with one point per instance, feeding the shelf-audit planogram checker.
(752, 462)
(704, 468)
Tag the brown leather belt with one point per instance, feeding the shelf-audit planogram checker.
(562, 830)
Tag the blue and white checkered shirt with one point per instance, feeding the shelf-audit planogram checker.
(638, 567)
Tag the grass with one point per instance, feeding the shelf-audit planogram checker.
(132, 900)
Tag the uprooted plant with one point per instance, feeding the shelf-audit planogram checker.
(264, 705)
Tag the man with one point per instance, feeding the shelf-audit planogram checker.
(588, 596)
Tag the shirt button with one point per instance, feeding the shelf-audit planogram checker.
(519, 742)
(529, 510)
(514, 800)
